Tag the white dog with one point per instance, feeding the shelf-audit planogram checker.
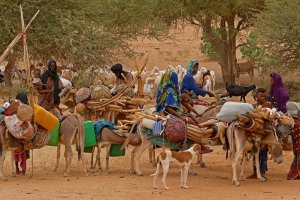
(182, 159)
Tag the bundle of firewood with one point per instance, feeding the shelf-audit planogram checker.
(194, 133)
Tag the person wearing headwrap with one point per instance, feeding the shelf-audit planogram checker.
(21, 96)
(278, 95)
(49, 94)
(123, 80)
(168, 96)
(189, 85)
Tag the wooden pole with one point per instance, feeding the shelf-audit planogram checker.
(17, 38)
(27, 68)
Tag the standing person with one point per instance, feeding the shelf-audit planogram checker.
(123, 79)
(294, 172)
(48, 96)
(261, 100)
(20, 155)
(278, 95)
(188, 84)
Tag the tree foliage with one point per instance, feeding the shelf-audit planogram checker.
(251, 51)
(230, 17)
(278, 31)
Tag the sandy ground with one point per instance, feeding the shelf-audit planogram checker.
(213, 182)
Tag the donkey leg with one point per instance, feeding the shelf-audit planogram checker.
(234, 162)
(242, 178)
(12, 162)
(258, 167)
(57, 157)
(107, 157)
(145, 144)
(2, 158)
(69, 156)
(133, 152)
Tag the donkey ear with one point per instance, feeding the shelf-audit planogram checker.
(125, 143)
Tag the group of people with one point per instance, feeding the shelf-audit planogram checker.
(48, 86)
(171, 99)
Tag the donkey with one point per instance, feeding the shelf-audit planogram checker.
(108, 137)
(71, 132)
(238, 143)
(4, 147)
(243, 68)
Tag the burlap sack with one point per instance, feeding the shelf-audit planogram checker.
(101, 92)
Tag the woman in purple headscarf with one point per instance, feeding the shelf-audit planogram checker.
(278, 94)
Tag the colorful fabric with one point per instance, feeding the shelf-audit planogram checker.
(162, 141)
(278, 95)
(263, 159)
(19, 129)
(175, 129)
(168, 92)
(188, 82)
(294, 172)
(157, 128)
(99, 125)
(191, 64)
(20, 156)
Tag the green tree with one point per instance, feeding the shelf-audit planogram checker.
(278, 32)
(230, 17)
(251, 50)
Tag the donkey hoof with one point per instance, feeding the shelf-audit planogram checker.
(193, 173)
(235, 183)
(262, 179)
(132, 171)
(140, 174)
(4, 179)
(65, 174)
(203, 165)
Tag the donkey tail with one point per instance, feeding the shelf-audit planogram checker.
(80, 138)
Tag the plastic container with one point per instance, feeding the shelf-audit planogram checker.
(44, 118)
(54, 136)
(89, 134)
(115, 150)
(88, 149)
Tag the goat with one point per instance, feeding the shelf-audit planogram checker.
(236, 90)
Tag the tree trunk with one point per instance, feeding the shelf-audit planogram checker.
(8, 70)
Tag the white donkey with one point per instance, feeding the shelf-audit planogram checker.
(238, 144)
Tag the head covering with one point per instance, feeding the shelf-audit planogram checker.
(191, 64)
(278, 95)
(55, 77)
(117, 68)
(168, 92)
(22, 97)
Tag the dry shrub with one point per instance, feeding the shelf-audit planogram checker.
(12, 91)
(84, 79)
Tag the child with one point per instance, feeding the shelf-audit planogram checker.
(20, 157)
(261, 100)
(21, 154)
(188, 108)
(37, 83)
